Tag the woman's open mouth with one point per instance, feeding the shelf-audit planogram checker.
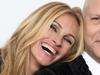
(48, 49)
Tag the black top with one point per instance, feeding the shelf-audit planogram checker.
(76, 67)
(56, 69)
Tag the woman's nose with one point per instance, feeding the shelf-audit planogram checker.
(57, 41)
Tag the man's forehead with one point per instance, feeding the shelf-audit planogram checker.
(92, 3)
(92, 7)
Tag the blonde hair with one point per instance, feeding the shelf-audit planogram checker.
(17, 50)
(79, 44)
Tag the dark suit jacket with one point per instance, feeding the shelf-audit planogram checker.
(76, 67)
(79, 66)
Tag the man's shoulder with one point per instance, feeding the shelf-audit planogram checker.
(79, 66)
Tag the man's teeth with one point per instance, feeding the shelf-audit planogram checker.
(49, 48)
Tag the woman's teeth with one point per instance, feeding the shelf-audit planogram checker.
(48, 49)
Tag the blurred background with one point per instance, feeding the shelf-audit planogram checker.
(13, 12)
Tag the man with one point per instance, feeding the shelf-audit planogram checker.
(91, 14)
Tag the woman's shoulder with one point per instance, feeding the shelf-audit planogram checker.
(76, 67)
(56, 69)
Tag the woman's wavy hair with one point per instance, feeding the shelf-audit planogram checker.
(16, 53)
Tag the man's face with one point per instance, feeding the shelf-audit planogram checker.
(92, 27)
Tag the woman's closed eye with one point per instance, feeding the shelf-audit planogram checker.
(68, 40)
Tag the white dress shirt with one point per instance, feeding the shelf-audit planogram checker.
(92, 64)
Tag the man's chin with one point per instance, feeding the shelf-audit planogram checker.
(95, 56)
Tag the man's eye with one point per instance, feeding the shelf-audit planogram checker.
(53, 27)
(95, 18)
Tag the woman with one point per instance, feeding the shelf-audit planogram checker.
(52, 33)
(76, 67)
